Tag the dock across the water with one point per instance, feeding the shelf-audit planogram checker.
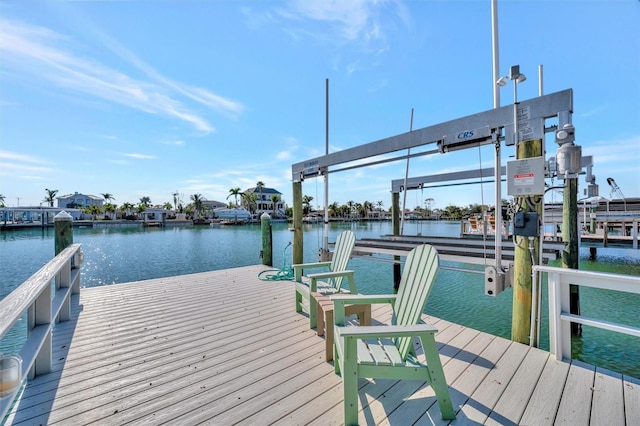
(472, 250)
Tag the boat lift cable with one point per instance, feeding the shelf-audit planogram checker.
(319, 234)
(406, 176)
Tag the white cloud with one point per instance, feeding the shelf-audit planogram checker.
(362, 23)
(23, 166)
(176, 143)
(139, 156)
(44, 55)
(14, 156)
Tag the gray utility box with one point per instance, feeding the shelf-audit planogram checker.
(525, 177)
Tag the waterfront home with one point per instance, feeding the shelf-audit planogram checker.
(264, 203)
(77, 200)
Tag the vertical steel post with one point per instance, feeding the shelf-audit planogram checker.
(395, 225)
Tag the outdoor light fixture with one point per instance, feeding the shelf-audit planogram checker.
(516, 77)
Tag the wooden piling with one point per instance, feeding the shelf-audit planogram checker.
(570, 237)
(523, 258)
(297, 224)
(63, 231)
(267, 244)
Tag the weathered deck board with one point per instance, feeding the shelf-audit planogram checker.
(225, 348)
(608, 398)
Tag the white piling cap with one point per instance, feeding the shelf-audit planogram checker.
(63, 216)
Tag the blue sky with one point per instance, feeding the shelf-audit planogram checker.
(146, 98)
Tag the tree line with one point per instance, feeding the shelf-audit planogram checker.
(253, 202)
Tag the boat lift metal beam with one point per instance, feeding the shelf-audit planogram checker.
(455, 134)
(417, 182)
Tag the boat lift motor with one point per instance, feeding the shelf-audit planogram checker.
(495, 281)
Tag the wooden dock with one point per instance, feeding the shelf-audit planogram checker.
(225, 348)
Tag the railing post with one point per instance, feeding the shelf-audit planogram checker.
(64, 281)
(555, 345)
(40, 313)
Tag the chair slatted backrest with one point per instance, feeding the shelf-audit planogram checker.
(473, 221)
(418, 276)
(341, 254)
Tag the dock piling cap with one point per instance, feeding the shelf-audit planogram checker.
(63, 216)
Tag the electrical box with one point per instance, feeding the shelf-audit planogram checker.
(525, 177)
(525, 224)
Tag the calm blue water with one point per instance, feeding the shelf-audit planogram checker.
(115, 256)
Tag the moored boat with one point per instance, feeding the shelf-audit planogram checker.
(236, 215)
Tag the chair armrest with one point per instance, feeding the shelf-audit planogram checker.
(362, 299)
(378, 331)
(300, 267)
(311, 265)
(331, 274)
(313, 278)
(341, 300)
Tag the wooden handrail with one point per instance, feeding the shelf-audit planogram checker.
(46, 298)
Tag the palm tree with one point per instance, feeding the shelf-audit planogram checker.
(176, 199)
(260, 186)
(306, 203)
(2, 198)
(111, 209)
(141, 207)
(197, 204)
(334, 208)
(428, 203)
(379, 204)
(274, 199)
(251, 201)
(145, 201)
(51, 195)
(350, 204)
(235, 192)
(108, 196)
(167, 206)
(93, 210)
(368, 206)
(126, 209)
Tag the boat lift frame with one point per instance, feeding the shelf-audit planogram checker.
(488, 127)
(462, 133)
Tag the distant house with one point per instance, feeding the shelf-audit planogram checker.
(212, 204)
(77, 200)
(264, 203)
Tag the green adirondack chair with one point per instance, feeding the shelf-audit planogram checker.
(329, 282)
(387, 352)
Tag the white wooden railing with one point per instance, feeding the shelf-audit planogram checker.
(560, 318)
(46, 298)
